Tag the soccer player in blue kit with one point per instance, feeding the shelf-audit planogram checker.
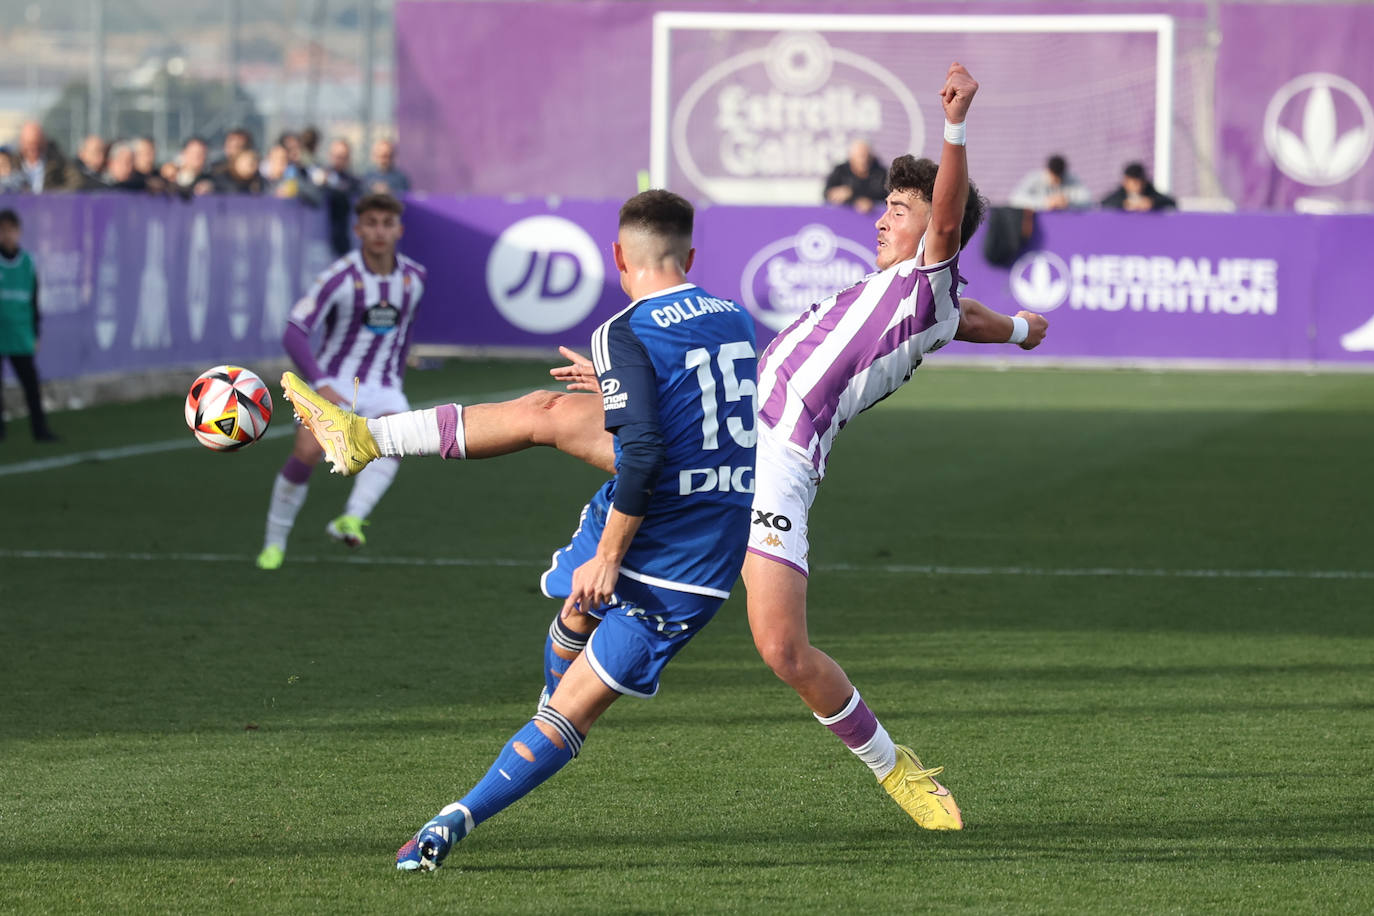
(660, 545)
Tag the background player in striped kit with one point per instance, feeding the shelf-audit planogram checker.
(364, 305)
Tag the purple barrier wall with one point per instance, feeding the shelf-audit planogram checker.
(574, 99)
(1115, 286)
(132, 283)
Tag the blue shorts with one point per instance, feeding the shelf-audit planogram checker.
(644, 627)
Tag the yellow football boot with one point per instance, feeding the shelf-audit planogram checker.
(347, 529)
(930, 804)
(347, 444)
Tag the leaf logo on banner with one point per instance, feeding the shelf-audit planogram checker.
(1321, 154)
(1361, 339)
(1040, 281)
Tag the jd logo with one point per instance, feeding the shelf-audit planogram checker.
(1040, 281)
(544, 274)
(1328, 146)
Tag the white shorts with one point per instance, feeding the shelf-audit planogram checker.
(373, 400)
(784, 489)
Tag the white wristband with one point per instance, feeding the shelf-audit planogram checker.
(1020, 329)
(954, 133)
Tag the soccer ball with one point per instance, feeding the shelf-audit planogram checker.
(228, 407)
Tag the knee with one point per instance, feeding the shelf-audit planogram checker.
(784, 653)
(536, 412)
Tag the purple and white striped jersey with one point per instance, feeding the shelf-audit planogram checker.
(366, 320)
(852, 350)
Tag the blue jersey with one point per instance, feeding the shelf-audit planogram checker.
(682, 362)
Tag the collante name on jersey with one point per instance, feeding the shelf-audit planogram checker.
(689, 308)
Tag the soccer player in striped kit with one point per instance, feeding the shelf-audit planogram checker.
(364, 305)
(839, 358)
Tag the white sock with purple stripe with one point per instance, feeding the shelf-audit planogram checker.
(863, 734)
(437, 431)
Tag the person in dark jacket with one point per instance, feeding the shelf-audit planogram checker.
(859, 182)
(1137, 193)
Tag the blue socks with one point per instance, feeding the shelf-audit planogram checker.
(513, 776)
(566, 639)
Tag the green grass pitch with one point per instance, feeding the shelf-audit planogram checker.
(1146, 661)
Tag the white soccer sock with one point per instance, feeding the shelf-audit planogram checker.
(856, 722)
(413, 432)
(371, 485)
(880, 753)
(287, 499)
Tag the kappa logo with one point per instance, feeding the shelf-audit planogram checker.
(772, 540)
(1040, 281)
(544, 274)
(1329, 146)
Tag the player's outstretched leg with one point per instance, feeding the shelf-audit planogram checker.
(777, 618)
(571, 423)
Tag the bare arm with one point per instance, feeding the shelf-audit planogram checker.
(980, 324)
(951, 181)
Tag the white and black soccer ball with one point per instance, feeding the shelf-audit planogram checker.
(228, 407)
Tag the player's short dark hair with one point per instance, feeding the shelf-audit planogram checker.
(1057, 166)
(9, 218)
(1134, 170)
(379, 202)
(907, 173)
(659, 212)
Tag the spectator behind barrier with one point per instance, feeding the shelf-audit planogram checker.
(120, 173)
(193, 177)
(385, 178)
(90, 164)
(242, 175)
(1053, 187)
(310, 141)
(1136, 192)
(235, 142)
(145, 164)
(860, 181)
(284, 179)
(39, 163)
(339, 187)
